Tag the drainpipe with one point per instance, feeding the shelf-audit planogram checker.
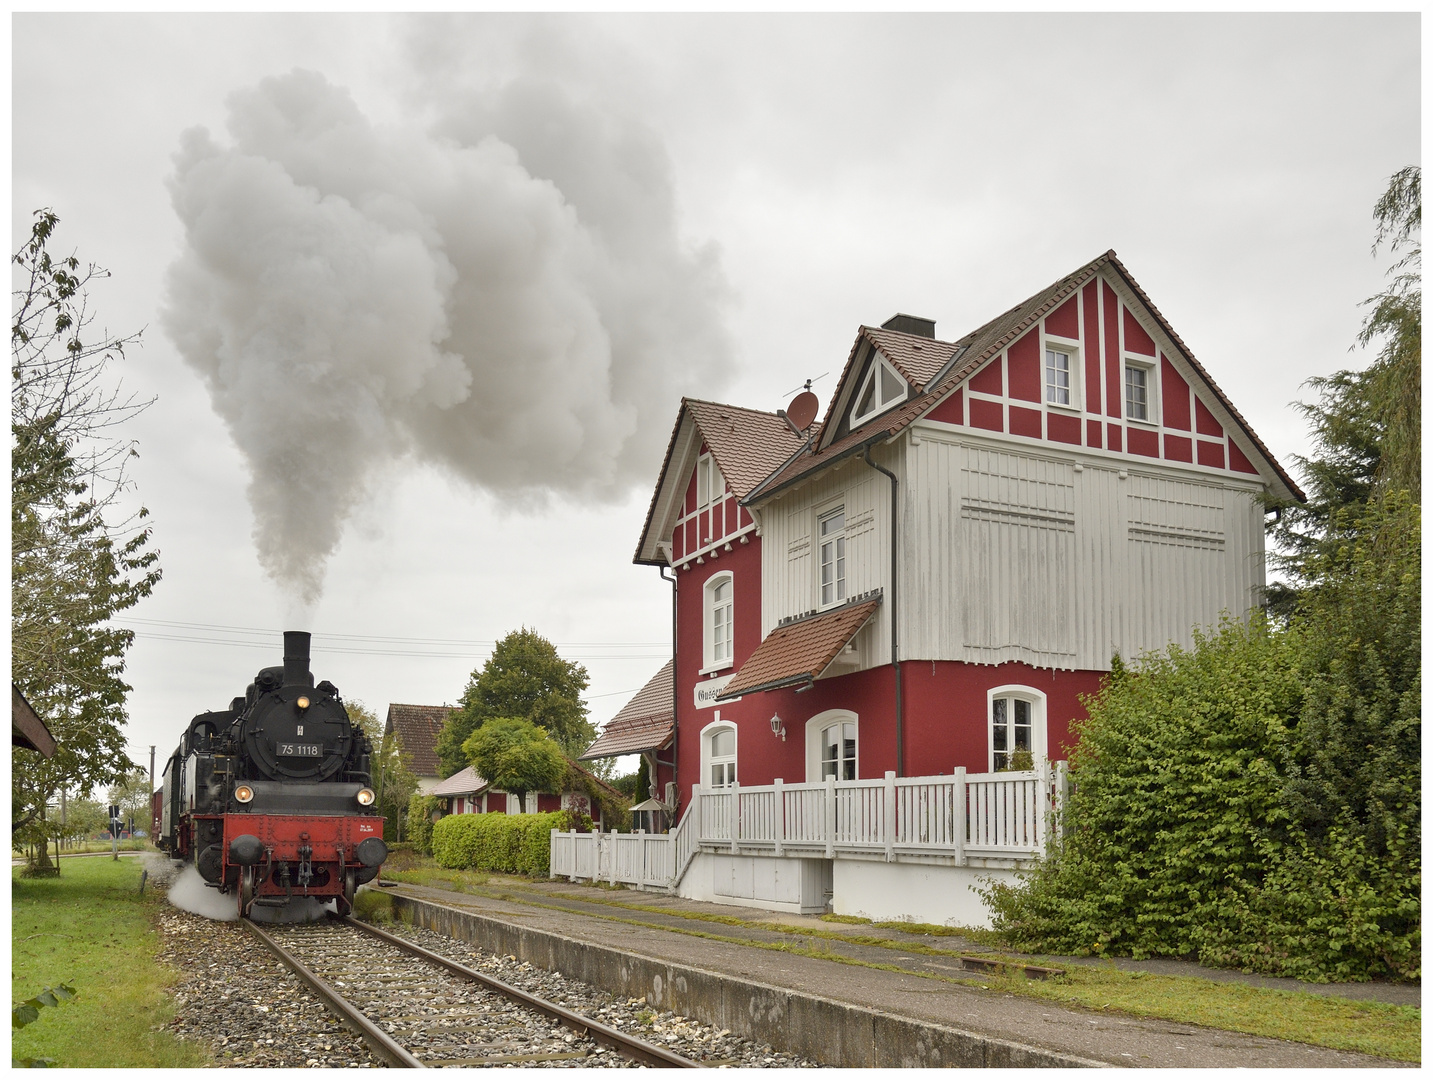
(895, 611)
(676, 739)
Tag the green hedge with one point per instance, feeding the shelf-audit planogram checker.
(505, 843)
(420, 821)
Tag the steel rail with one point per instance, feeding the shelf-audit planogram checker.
(629, 1046)
(377, 1039)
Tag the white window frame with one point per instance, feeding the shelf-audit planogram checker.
(709, 760)
(1151, 390)
(709, 607)
(709, 477)
(819, 723)
(1071, 349)
(1039, 738)
(840, 592)
(880, 403)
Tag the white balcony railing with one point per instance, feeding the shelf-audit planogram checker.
(954, 818)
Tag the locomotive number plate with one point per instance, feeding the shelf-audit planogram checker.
(288, 749)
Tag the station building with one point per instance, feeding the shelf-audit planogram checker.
(922, 583)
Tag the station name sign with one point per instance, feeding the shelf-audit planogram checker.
(704, 694)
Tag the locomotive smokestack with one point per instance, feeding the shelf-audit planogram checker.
(296, 669)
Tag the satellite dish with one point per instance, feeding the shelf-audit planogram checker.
(802, 409)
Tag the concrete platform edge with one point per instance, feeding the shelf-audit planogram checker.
(832, 1032)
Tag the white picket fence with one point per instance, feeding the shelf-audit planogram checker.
(985, 815)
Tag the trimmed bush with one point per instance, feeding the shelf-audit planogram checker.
(503, 843)
(420, 821)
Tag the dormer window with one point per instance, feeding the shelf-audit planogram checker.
(710, 485)
(882, 388)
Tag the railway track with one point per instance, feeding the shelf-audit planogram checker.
(415, 1009)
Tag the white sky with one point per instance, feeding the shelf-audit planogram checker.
(844, 167)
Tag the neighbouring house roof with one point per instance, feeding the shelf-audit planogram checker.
(418, 727)
(26, 728)
(970, 353)
(799, 651)
(464, 782)
(467, 782)
(749, 445)
(644, 723)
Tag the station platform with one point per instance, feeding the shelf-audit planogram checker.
(842, 1002)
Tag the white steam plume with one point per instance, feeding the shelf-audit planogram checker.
(354, 294)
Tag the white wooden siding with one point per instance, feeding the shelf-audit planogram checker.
(788, 555)
(1014, 553)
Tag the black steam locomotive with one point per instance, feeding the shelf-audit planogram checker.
(270, 798)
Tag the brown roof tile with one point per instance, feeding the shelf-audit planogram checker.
(917, 358)
(644, 723)
(418, 727)
(799, 651)
(464, 782)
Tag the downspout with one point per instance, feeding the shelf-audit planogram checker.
(676, 740)
(895, 611)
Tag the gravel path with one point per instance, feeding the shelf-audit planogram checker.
(241, 1002)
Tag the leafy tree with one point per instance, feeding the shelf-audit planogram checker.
(72, 568)
(393, 780)
(524, 678)
(131, 795)
(515, 755)
(1365, 424)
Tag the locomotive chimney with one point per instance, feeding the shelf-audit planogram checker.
(296, 669)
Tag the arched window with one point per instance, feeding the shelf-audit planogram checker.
(1016, 728)
(719, 754)
(717, 608)
(831, 746)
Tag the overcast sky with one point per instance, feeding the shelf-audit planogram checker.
(421, 296)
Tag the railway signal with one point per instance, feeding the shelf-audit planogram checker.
(116, 823)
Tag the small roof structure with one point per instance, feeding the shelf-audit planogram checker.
(418, 727)
(644, 723)
(26, 728)
(465, 782)
(800, 650)
(748, 444)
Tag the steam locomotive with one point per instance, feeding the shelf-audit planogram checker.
(270, 798)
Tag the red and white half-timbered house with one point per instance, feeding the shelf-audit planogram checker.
(884, 621)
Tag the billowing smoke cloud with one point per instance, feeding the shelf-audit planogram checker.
(355, 294)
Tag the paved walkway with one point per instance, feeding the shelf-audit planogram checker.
(676, 930)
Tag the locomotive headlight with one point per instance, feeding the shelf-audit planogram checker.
(244, 793)
(366, 797)
(302, 703)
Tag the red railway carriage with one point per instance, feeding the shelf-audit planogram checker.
(270, 798)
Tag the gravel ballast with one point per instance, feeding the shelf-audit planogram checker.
(241, 1002)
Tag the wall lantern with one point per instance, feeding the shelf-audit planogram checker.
(778, 728)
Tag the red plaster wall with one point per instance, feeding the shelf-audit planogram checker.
(1211, 454)
(989, 379)
(1115, 436)
(1092, 350)
(945, 719)
(1178, 448)
(1237, 461)
(951, 410)
(1176, 398)
(1092, 433)
(1065, 320)
(1204, 421)
(1063, 428)
(1114, 389)
(987, 414)
(1143, 442)
(1025, 421)
(1136, 340)
(1024, 373)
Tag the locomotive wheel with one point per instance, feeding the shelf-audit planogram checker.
(247, 875)
(350, 889)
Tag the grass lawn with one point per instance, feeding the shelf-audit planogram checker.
(1369, 1027)
(89, 928)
